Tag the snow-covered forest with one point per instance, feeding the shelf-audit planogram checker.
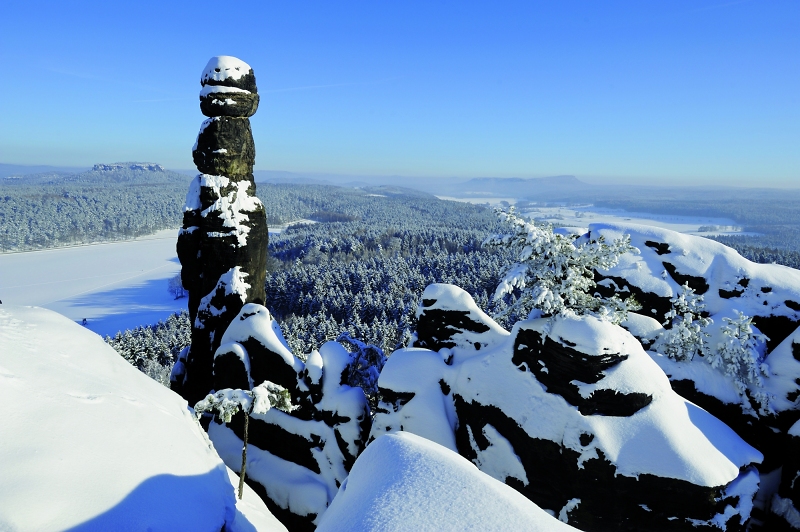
(364, 276)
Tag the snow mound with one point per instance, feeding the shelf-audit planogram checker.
(404, 482)
(252, 514)
(91, 443)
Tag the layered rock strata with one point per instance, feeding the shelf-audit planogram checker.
(572, 413)
(223, 243)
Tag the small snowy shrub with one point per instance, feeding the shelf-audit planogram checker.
(175, 287)
(555, 272)
(225, 403)
(687, 335)
(740, 355)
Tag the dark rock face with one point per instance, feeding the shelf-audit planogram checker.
(535, 409)
(786, 503)
(223, 243)
(224, 103)
(312, 447)
(609, 502)
(225, 147)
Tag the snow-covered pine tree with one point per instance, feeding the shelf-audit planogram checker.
(741, 356)
(686, 334)
(555, 272)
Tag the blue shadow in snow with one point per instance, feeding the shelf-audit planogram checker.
(153, 506)
(125, 308)
(718, 433)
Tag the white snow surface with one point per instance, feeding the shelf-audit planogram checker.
(405, 482)
(90, 443)
(114, 285)
(224, 67)
(215, 89)
(252, 514)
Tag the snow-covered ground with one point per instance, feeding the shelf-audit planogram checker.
(91, 443)
(115, 285)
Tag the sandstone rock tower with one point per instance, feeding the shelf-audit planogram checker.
(223, 243)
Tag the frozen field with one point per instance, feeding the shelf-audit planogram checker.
(581, 217)
(115, 286)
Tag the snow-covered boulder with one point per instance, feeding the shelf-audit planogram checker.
(295, 461)
(760, 407)
(90, 443)
(574, 414)
(405, 482)
(222, 245)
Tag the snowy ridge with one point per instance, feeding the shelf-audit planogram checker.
(83, 451)
(719, 265)
(729, 285)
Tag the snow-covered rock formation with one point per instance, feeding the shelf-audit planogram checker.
(88, 442)
(404, 482)
(296, 461)
(756, 395)
(223, 243)
(572, 413)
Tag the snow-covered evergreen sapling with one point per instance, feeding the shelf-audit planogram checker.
(687, 334)
(365, 367)
(555, 272)
(741, 356)
(225, 403)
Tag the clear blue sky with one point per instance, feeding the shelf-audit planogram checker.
(642, 91)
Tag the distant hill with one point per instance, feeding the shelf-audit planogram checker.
(130, 173)
(519, 187)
